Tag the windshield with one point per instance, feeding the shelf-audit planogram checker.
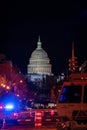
(71, 94)
(85, 94)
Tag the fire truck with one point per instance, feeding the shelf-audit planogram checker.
(72, 99)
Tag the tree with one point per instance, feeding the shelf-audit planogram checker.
(12, 81)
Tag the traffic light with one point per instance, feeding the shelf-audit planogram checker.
(73, 64)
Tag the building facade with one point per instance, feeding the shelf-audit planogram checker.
(39, 62)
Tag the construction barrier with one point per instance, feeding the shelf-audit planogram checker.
(4, 127)
(38, 119)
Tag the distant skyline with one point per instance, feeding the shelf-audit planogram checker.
(20, 27)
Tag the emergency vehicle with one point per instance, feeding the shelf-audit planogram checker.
(8, 109)
(72, 99)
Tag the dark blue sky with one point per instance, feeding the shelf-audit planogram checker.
(58, 24)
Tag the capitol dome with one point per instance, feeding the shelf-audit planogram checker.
(39, 61)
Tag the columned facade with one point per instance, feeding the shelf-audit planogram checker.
(39, 62)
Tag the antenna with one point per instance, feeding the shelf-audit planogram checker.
(73, 56)
(73, 61)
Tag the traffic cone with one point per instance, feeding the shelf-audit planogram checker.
(4, 127)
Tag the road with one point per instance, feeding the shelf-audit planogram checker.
(28, 128)
(27, 121)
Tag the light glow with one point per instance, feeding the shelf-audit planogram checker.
(1, 107)
(9, 106)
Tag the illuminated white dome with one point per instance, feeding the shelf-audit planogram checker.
(39, 61)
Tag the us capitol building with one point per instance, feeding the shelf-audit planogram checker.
(39, 64)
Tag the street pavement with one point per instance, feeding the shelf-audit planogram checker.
(28, 128)
(43, 128)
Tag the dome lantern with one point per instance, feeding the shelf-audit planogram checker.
(39, 43)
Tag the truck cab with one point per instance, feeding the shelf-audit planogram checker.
(72, 101)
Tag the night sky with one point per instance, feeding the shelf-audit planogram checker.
(58, 24)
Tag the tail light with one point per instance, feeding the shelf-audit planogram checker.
(52, 112)
(1, 107)
(15, 114)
